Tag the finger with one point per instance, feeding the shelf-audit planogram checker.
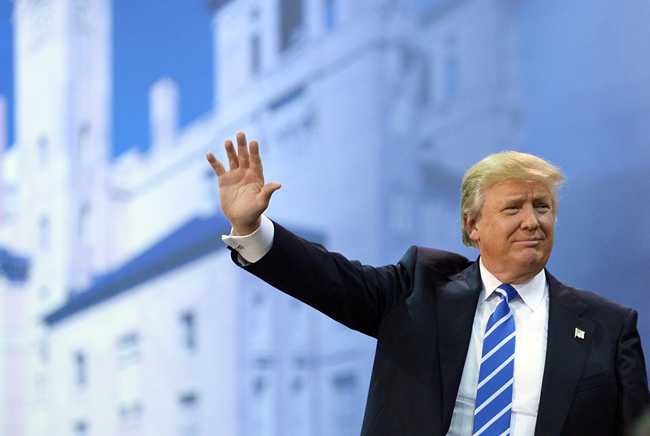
(268, 190)
(232, 156)
(254, 153)
(242, 150)
(255, 160)
(218, 168)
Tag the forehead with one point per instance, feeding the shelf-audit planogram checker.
(517, 189)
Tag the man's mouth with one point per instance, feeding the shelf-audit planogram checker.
(529, 242)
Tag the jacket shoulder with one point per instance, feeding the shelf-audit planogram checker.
(443, 263)
(597, 305)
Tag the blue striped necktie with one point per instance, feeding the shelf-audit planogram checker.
(494, 390)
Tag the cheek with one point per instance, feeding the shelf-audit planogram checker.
(508, 227)
(547, 225)
(500, 232)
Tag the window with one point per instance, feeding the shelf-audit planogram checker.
(256, 54)
(291, 23)
(329, 11)
(345, 389)
(426, 82)
(128, 383)
(84, 222)
(188, 330)
(407, 59)
(40, 371)
(451, 70)
(261, 406)
(452, 78)
(83, 143)
(130, 415)
(299, 404)
(80, 428)
(259, 320)
(9, 202)
(83, 15)
(43, 149)
(188, 405)
(44, 232)
(209, 182)
(257, 299)
(80, 372)
(297, 385)
(128, 349)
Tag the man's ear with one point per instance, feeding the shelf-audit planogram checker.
(471, 227)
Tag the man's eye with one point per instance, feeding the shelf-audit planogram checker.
(511, 210)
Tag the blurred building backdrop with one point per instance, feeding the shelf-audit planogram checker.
(120, 310)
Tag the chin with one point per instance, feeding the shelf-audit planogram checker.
(532, 261)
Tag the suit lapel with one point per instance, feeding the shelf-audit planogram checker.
(455, 314)
(565, 356)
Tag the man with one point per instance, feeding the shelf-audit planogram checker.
(491, 347)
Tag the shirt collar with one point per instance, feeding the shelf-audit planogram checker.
(531, 292)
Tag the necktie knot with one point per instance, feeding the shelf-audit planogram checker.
(507, 291)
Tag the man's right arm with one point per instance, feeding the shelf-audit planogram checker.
(356, 295)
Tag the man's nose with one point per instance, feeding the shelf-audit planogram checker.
(529, 220)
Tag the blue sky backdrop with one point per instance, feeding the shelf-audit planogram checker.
(150, 38)
(6, 56)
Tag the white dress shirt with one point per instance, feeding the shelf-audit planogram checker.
(530, 311)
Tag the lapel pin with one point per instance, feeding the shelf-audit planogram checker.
(580, 334)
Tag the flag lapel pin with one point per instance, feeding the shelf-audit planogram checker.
(579, 334)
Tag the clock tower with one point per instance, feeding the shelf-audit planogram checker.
(62, 61)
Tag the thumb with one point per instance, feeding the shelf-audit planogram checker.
(269, 189)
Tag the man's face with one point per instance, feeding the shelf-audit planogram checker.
(514, 232)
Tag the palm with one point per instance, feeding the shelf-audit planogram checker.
(244, 196)
(240, 190)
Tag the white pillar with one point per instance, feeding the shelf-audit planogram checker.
(163, 113)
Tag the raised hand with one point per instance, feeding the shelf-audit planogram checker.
(244, 196)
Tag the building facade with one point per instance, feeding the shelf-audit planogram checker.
(133, 318)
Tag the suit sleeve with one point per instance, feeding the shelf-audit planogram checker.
(349, 292)
(633, 396)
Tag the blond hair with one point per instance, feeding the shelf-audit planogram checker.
(498, 167)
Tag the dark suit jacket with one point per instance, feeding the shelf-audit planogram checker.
(421, 312)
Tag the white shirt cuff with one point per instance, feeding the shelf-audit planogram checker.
(254, 246)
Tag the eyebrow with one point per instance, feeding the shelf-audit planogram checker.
(519, 198)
